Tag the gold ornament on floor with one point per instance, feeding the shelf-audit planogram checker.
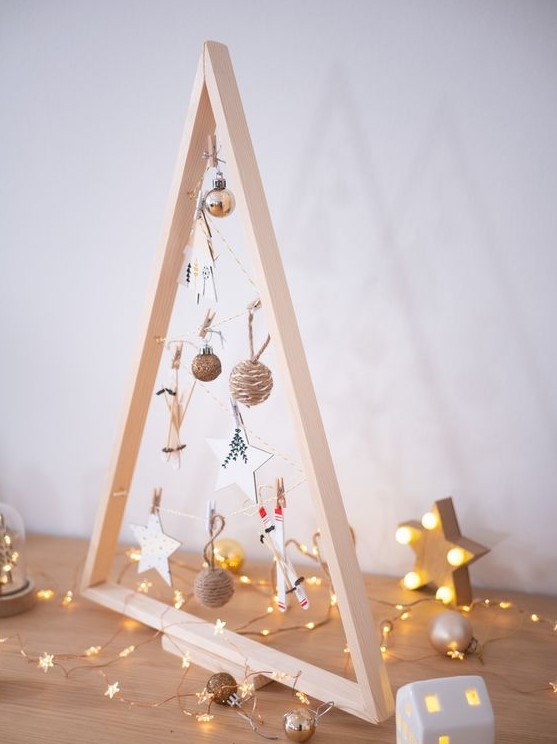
(213, 587)
(300, 724)
(251, 381)
(221, 686)
(442, 554)
(206, 366)
(451, 631)
(229, 554)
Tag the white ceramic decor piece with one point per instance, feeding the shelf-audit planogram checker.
(448, 710)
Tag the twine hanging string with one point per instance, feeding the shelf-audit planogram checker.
(216, 526)
(251, 381)
(252, 307)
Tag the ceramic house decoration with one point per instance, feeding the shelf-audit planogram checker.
(448, 710)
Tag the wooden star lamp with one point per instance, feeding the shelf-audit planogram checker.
(443, 554)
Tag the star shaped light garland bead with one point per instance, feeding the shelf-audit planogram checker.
(442, 554)
(112, 690)
(238, 462)
(46, 662)
(156, 547)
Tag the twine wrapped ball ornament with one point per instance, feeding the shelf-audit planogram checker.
(206, 366)
(213, 587)
(221, 686)
(251, 381)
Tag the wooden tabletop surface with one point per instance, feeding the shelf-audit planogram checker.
(519, 662)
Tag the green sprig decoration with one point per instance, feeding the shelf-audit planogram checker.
(238, 448)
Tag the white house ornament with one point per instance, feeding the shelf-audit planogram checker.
(442, 554)
(156, 547)
(449, 710)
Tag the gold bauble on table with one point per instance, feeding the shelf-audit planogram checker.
(299, 724)
(219, 202)
(229, 554)
(450, 631)
(251, 382)
(213, 587)
(206, 366)
(221, 685)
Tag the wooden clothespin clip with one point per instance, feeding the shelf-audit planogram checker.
(211, 511)
(281, 495)
(157, 496)
(236, 413)
(177, 358)
(255, 305)
(211, 154)
(206, 325)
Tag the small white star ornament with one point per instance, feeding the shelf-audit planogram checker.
(241, 470)
(156, 547)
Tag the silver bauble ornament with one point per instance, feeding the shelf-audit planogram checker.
(450, 631)
(299, 724)
(219, 202)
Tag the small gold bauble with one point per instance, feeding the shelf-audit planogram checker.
(206, 366)
(229, 554)
(250, 382)
(221, 685)
(219, 202)
(450, 631)
(213, 587)
(299, 724)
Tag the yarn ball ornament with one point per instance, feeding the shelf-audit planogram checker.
(206, 366)
(213, 587)
(221, 686)
(250, 382)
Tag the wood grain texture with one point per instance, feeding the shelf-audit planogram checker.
(216, 102)
(51, 709)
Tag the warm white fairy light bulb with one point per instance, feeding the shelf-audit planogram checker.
(412, 580)
(445, 594)
(456, 557)
(404, 535)
(430, 520)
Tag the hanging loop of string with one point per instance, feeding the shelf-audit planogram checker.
(252, 307)
(216, 526)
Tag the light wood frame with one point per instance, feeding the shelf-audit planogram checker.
(216, 105)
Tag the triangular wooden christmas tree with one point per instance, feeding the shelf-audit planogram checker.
(216, 105)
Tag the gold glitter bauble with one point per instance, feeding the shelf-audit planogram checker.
(220, 202)
(229, 554)
(299, 724)
(250, 382)
(221, 685)
(206, 366)
(213, 587)
(450, 631)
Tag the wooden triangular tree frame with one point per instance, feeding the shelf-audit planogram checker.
(216, 104)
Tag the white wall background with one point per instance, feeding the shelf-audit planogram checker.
(409, 156)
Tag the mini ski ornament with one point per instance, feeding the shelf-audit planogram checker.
(273, 537)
